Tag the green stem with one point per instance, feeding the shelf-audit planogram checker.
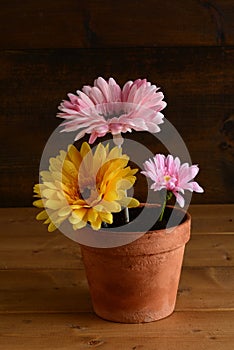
(163, 209)
(167, 198)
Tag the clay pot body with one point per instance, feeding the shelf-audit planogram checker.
(137, 282)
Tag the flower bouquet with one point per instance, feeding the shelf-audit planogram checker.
(132, 251)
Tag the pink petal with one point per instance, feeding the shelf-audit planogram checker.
(93, 137)
(167, 172)
(126, 90)
(118, 108)
(104, 88)
(180, 199)
(97, 96)
(196, 187)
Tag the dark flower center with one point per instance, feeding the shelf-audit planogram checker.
(112, 115)
(112, 110)
(85, 194)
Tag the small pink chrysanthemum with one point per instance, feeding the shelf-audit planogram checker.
(106, 107)
(168, 173)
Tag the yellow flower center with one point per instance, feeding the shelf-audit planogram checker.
(167, 178)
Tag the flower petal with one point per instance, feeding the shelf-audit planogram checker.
(103, 179)
(106, 108)
(42, 215)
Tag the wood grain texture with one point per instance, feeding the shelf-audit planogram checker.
(182, 330)
(209, 250)
(201, 288)
(198, 86)
(56, 252)
(26, 244)
(212, 219)
(39, 269)
(46, 305)
(50, 48)
(21, 221)
(89, 23)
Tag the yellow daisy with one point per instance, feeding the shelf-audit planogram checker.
(85, 187)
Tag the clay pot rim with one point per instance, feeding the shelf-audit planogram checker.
(164, 234)
(187, 217)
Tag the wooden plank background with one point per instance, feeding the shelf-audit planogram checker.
(188, 330)
(93, 23)
(49, 48)
(45, 302)
(40, 250)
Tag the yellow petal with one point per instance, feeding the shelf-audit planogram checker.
(99, 207)
(42, 215)
(39, 203)
(85, 148)
(99, 159)
(61, 187)
(36, 189)
(58, 176)
(64, 211)
(62, 155)
(114, 153)
(50, 185)
(53, 204)
(96, 225)
(106, 217)
(46, 176)
(129, 202)
(74, 220)
(107, 148)
(47, 221)
(77, 215)
(52, 227)
(55, 164)
(111, 195)
(92, 215)
(76, 206)
(79, 202)
(69, 169)
(74, 156)
(61, 196)
(134, 171)
(65, 189)
(112, 207)
(86, 170)
(48, 193)
(79, 225)
(55, 219)
(124, 184)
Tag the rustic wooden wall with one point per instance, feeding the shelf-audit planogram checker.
(49, 48)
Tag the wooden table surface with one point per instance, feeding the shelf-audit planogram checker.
(45, 303)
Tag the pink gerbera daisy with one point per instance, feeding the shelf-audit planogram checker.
(168, 173)
(106, 107)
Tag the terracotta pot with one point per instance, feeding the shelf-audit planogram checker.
(137, 282)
